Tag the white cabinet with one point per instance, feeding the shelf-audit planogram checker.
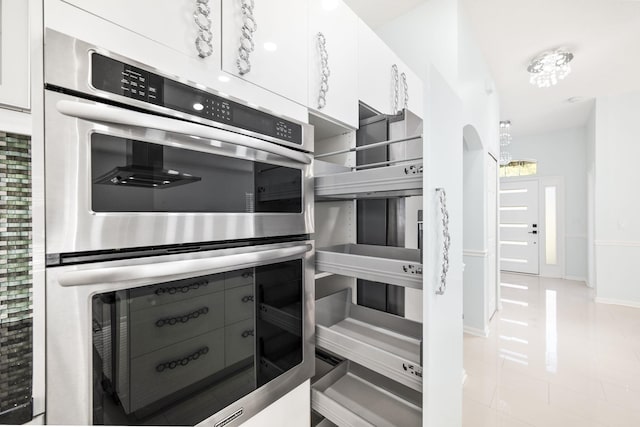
(339, 26)
(375, 82)
(415, 90)
(169, 22)
(14, 54)
(377, 85)
(279, 58)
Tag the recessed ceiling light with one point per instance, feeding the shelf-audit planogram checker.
(270, 46)
(546, 69)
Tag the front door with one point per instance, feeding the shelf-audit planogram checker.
(519, 226)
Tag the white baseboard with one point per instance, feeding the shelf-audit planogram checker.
(634, 304)
(576, 278)
(476, 332)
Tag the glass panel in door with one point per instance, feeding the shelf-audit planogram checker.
(177, 352)
(136, 176)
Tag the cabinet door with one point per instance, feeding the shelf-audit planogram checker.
(339, 25)
(415, 88)
(376, 85)
(14, 53)
(169, 22)
(279, 59)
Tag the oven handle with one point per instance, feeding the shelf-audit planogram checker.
(114, 115)
(161, 270)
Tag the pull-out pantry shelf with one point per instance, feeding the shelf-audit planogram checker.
(385, 343)
(352, 395)
(341, 183)
(385, 264)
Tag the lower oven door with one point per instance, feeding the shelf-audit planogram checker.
(180, 339)
(119, 178)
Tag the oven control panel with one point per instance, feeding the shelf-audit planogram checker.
(117, 77)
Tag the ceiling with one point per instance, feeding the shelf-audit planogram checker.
(378, 12)
(604, 36)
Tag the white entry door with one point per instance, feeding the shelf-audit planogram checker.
(519, 226)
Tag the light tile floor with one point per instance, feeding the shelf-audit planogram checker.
(553, 358)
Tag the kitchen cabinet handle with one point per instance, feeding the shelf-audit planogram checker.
(247, 333)
(247, 45)
(101, 113)
(325, 71)
(446, 240)
(183, 361)
(396, 88)
(405, 86)
(247, 298)
(171, 321)
(202, 20)
(172, 290)
(171, 270)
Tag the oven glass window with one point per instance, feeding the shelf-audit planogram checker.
(176, 353)
(135, 176)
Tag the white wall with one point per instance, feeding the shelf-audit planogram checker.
(564, 153)
(617, 211)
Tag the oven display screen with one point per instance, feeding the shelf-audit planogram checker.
(176, 353)
(113, 76)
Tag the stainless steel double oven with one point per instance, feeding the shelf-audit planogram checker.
(179, 259)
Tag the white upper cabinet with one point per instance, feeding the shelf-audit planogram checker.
(14, 54)
(380, 84)
(169, 22)
(414, 100)
(267, 45)
(338, 25)
(375, 82)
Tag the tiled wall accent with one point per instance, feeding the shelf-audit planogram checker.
(16, 349)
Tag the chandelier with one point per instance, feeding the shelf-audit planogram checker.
(505, 133)
(505, 158)
(546, 69)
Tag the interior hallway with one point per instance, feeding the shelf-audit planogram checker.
(553, 358)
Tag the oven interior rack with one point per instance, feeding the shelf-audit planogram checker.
(388, 344)
(384, 264)
(352, 395)
(334, 182)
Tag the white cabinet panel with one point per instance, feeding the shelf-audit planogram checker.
(339, 25)
(279, 59)
(169, 22)
(14, 53)
(415, 101)
(375, 79)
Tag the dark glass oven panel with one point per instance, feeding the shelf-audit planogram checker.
(175, 353)
(136, 176)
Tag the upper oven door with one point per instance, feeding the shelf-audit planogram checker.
(118, 178)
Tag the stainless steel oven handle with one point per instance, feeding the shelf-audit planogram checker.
(119, 116)
(160, 270)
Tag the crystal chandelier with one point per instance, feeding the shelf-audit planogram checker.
(505, 133)
(546, 69)
(505, 158)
